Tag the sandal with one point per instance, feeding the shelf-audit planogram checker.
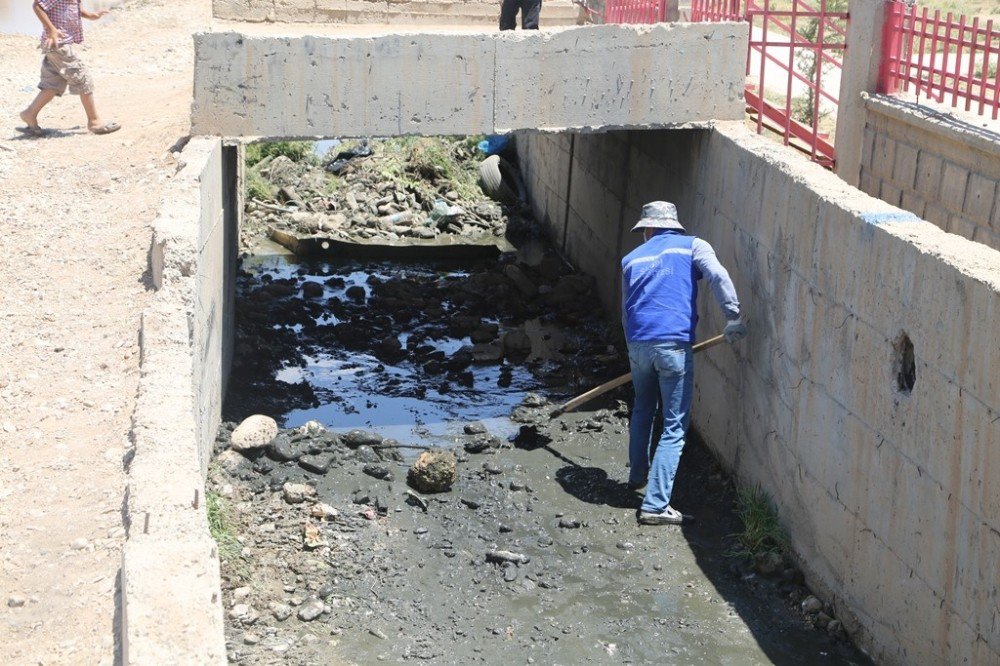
(106, 128)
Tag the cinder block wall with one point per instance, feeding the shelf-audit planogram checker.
(942, 170)
(890, 496)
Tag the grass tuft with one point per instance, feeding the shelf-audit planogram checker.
(220, 525)
(762, 531)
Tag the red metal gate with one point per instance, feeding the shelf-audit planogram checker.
(793, 65)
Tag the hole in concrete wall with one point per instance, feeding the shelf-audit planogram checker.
(905, 367)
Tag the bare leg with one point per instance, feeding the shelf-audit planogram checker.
(30, 115)
(88, 105)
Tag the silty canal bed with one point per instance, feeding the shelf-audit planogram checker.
(534, 555)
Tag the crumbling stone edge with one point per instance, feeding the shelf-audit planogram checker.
(171, 604)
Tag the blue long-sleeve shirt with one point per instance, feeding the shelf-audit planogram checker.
(660, 290)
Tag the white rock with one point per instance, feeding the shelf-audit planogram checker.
(230, 461)
(254, 432)
(296, 493)
(311, 428)
(80, 544)
(241, 593)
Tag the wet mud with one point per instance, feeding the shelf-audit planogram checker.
(534, 555)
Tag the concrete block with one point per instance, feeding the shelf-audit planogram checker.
(868, 147)
(913, 203)
(618, 76)
(869, 183)
(987, 237)
(936, 215)
(953, 185)
(929, 170)
(904, 170)
(884, 157)
(960, 226)
(979, 198)
(889, 193)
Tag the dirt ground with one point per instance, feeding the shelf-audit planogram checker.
(76, 210)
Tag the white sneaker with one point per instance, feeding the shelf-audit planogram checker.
(669, 516)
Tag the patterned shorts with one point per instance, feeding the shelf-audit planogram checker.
(62, 67)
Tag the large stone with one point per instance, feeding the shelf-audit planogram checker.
(254, 432)
(434, 472)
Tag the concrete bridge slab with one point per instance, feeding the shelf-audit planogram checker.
(586, 78)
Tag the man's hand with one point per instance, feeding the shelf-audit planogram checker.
(93, 16)
(55, 36)
(735, 330)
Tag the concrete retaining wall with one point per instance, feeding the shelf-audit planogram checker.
(934, 166)
(430, 84)
(890, 496)
(405, 12)
(172, 603)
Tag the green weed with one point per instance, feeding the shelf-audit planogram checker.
(762, 531)
(221, 527)
(297, 151)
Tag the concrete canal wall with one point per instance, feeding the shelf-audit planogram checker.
(888, 490)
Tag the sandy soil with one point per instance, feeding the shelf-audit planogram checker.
(76, 211)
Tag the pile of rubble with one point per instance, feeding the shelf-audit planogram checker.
(385, 190)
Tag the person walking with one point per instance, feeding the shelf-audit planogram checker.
(61, 64)
(530, 11)
(660, 314)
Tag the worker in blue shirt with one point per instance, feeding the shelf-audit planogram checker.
(660, 313)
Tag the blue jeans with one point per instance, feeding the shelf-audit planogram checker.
(664, 370)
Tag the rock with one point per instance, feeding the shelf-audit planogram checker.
(482, 443)
(377, 471)
(768, 562)
(283, 449)
(241, 593)
(296, 493)
(317, 464)
(251, 639)
(356, 438)
(835, 628)
(534, 400)
(356, 293)
(280, 611)
(367, 454)
(516, 342)
(501, 556)
(434, 471)
(254, 432)
(323, 511)
(487, 352)
(811, 605)
(523, 283)
(244, 614)
(312, 289)
(822, 620)
(16, 600)
(232, 462)
(312, 537)
(491, 468)
(311, 428)
(476, 428)
(80, 544)
(569, 523)
(310, 609)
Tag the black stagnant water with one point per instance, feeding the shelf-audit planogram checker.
(412, 584)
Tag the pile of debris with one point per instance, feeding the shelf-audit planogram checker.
(379, 190)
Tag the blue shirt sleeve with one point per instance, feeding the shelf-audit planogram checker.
(708, 265)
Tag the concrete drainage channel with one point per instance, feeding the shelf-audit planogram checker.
(535, 519)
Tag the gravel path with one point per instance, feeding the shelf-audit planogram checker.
(76, 211)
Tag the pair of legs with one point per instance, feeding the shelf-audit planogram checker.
(30, 114)
(62, 69)
(530, 10)
(664, 371)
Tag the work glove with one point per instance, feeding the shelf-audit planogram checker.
(735, 330)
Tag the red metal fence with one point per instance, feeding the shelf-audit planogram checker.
(942, 57)
(795, 49)
(635, 11)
